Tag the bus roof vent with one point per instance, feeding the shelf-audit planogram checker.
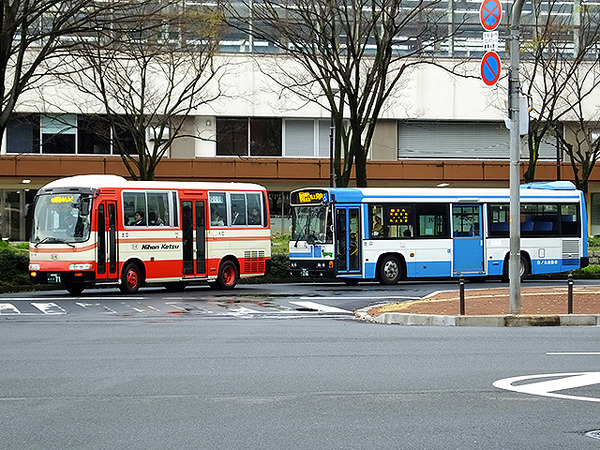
(551, 185)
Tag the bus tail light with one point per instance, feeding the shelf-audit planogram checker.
(331, 264)
(33, 274)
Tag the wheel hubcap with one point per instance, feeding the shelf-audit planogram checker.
(132, 278)
(390, 270)
(228, 275)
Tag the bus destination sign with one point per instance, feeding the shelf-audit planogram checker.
(312, 196)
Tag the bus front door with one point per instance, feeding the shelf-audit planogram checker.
(348, 240)
(194, 238)
(468, 240)
(107, 257)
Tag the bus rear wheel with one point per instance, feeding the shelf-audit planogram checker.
(390, 270)
(228, 276)
(523, 269)
(131, 279)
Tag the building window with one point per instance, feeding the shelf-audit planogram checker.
(265, 137)
(93, 135)
(23, 134)
(125, 138)
(324, 138)
(421, 139)
(299, 138)
(249, 137)
(59, 132)
(232, 137)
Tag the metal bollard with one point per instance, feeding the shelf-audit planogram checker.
(461, 284)
(570, 294)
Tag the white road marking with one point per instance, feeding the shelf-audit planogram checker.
(343, 297)
(572, 353)
(49, 308)
(319, 307)
(8, 308)
(549, 388)
(242, 311)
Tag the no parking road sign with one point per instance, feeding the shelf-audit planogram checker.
(490, 14)
(490, 68)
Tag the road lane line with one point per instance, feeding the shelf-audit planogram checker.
(572, 353)
(342, 297)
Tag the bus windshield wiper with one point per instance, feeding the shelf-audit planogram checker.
(53, 240)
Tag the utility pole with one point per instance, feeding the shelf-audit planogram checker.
(514, 88)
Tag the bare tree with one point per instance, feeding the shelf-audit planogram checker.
(32, 33)
(353, 53)
(562, 49)
(580, 139)
(148, 72)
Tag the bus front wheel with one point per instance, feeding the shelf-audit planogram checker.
(131, 279)
(390, 270)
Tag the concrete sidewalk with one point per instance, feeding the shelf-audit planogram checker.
(480, 321)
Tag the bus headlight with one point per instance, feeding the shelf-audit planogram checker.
(34, 267)
(81, 266)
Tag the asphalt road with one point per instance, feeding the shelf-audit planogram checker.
(285, 300)
(159, 380)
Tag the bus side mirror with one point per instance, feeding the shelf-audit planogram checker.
(85, 207)
(28, 209)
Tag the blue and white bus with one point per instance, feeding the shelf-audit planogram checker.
(390, 234)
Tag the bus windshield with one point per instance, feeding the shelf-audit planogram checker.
(61, 218)
(311, 224)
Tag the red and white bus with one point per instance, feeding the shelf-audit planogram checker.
(103, 229)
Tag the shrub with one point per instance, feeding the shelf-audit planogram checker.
(591, 270)
(14, 265)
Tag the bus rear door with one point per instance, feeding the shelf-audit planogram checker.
(468, 240)
(107, 257)
(194, 237)
(348, 240)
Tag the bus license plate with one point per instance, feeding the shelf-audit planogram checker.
(54, 278)
(304, 272)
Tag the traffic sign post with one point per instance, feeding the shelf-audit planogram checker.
(490, 15)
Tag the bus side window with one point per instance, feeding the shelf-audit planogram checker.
(158, 209)
(218, 209)
(399, 221)
(254, 209)
(238, 209)
(377, 230)
(134, 202)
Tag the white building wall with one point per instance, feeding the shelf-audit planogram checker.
(427, 92)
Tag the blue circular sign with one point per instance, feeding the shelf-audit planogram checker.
(490, 14)
(490, 68)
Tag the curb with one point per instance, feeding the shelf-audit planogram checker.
(480, 321)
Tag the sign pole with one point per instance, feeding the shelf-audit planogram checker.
(514, 265)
